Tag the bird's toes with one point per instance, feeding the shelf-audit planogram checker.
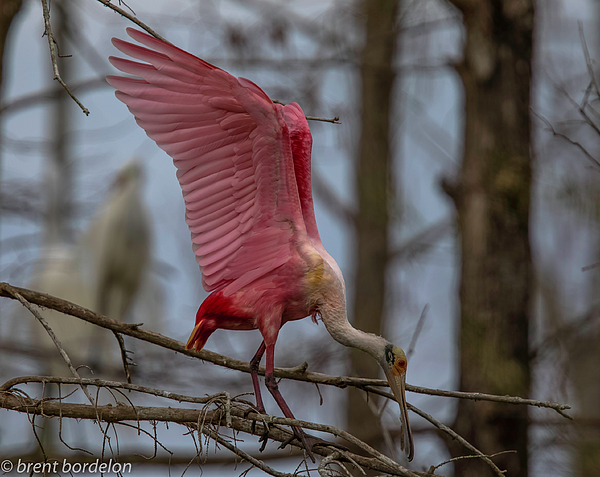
(284, 444)
(257, 410)
(303, 438)
(264, 439)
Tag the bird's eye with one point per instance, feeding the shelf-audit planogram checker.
(402, 363)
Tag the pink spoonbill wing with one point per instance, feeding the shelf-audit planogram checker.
(233, 152)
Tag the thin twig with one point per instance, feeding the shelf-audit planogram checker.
(588, 60)
(255, 462)
(415, 337)
(566, 138)
(56, 341)
(54, 54)
(335, 120)
(130, 17)
(476, 456)
(587, 268)
(416, 242)
(35, 99)
(124, 357)
(60, 420)
(458, 437)
(105, 384)
(335, 432)
(332, 459)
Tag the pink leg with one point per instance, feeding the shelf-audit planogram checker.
(271, 383)
(254, 364)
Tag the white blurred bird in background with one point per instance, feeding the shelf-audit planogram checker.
(115, 248)
(103, 271)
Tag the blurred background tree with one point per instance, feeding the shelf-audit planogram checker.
(500, 266)
(492, 198)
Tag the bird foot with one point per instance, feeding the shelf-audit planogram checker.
(264, 436)
(309, 442)
(302, 437)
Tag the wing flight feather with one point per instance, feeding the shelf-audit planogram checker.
(232, 149)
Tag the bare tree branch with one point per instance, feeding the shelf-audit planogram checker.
(588, 60)
(298, 373)
(56, 341)
(32, 100)
(106, 384)
(335, 120)
(130, 17)
(230, 409)
(255, 462)
(54, 54)
(124, 357)
(201, 419)
(566, 138)
(417, 242)
(459, 438)
(454, 435)
(476, 456)
(415, 337)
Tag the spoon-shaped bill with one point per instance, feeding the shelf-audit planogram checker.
(397, 382)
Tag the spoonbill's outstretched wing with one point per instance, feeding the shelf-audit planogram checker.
(232, 150)
(301, 150)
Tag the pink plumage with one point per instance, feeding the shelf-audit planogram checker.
(227, 139)
(243, 163)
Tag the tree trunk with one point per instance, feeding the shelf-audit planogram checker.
(584, 348)
(373, 180)
(8, 11)
(492, 199)
(584, 370)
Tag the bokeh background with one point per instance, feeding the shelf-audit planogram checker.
(487, 109)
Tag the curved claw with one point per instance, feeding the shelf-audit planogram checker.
(303, 438)
(264, 436)
(264, 439)
(309, 442)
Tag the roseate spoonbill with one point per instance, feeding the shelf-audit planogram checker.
(243, 163)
